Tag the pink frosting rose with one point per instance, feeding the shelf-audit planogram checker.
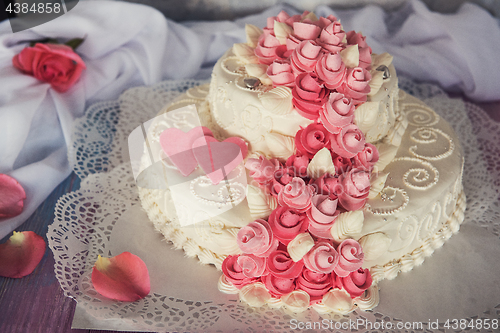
(351, 257)
(305, 56)
(287, 223)
(314, 283)
(331, 37)
(299, 163)
(302, 31)
(278, 286)
(356, 282)
(311, 139)
(328, 185)
(252, 266)
(234, 272)
(296, 195)
(356, 85)
(56, 64)
(257, 238)
(342, 164)
(322, 215)
(365, 52)
(322, 258)
(355, 189)
(337, 112)
(281, 177)
(366, 158)
(262, 170)
(348, 142)
(308, 95)
(281, 265)
(282, 17)
(331, 70)
(269, 49)
(280, 72)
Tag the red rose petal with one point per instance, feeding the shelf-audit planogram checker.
(12, 197)
(124, 277)
(21, 254)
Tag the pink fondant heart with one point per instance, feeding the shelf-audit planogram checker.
(178, 147)
(218, 159)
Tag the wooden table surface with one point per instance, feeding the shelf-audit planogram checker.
(36, 303)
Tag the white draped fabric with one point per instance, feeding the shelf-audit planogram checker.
(130, 45)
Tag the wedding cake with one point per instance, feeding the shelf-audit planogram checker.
(302, 171)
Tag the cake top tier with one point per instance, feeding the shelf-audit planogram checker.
(299, 70)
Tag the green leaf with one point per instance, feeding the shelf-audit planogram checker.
(74, 43)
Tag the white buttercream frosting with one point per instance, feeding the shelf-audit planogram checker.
(374, 245)
(338, 301)
(347, 225)
(320, 164)
(297, 301)
(255, 294)
(300, 245)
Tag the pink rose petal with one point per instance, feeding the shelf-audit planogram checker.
(21, 254)
(12, 197)
(124, 277)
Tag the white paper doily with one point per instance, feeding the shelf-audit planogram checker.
(104, 218)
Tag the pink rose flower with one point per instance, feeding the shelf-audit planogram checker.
(233, 272)
(287, 223)
(337, 112)
(366, 158)
(311, 139)
(331, 70)
(322, 258)
(296, 195)
(314, 283)
(269, 49)
(281, 265)
(351, 257)
(278, 286)
(328, 185)
(257, 238)
(331, 37)
(252, 266)
(355, 189)
(322, 215)
(299, 163)
(348, 142)
(305, 56)
(281, 177)
(356, 282)
(356, 85)
(280, 72)
(56, 64)
(308, 95)
(262, 170)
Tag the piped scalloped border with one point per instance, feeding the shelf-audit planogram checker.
(407, 262)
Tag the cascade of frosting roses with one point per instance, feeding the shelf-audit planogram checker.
(303, 245)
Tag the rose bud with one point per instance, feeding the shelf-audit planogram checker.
(124, 277)
(21, 254)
